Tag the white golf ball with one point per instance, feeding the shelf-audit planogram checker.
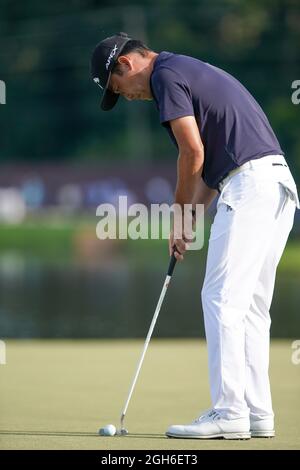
(108, 430)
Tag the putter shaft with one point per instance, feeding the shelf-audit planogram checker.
(156, 313)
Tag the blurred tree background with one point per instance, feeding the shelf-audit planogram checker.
(52, 111)
(61, 156)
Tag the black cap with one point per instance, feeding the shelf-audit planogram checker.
(103, 60)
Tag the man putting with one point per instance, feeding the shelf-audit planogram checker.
(227, 147)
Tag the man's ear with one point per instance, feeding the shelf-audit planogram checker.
(125, 63)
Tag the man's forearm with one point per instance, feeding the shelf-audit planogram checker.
(204, 195)
(189, 171)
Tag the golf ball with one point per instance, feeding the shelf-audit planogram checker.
(108, 430)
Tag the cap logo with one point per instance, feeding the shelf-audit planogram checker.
(111, 55)
(97, 81)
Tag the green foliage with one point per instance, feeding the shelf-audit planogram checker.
(52, 109)
(56, 241)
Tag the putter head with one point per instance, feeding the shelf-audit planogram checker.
(122, 432)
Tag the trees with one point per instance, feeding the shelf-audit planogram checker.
(51, 109)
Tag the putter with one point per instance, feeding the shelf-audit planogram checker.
(122, 431)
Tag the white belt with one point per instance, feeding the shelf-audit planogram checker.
(268, 160)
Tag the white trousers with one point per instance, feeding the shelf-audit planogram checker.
(255, 214)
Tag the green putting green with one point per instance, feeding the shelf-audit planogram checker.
(56, 394)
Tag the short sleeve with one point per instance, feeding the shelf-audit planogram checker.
(172, 95)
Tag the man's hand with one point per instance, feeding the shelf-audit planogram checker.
(182, 233)
(178, 246)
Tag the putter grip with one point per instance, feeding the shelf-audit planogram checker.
(172, 264)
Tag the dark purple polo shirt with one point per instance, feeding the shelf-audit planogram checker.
(232, 125)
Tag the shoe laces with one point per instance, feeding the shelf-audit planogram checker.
(208, 414)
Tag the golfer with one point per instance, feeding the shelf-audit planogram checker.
(226, 147)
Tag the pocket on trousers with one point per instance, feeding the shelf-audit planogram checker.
(240, 189)
(291, 190)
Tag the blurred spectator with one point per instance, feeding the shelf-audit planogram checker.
(12, 206)
(158, 190)
(70, 197)
(33, 191)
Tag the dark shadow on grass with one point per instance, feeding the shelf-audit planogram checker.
(78, 434)
(140, 435)
(48, 433)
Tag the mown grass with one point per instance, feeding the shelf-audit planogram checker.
(56, 394)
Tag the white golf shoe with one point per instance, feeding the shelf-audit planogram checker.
(211, 425)
(263, 427)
